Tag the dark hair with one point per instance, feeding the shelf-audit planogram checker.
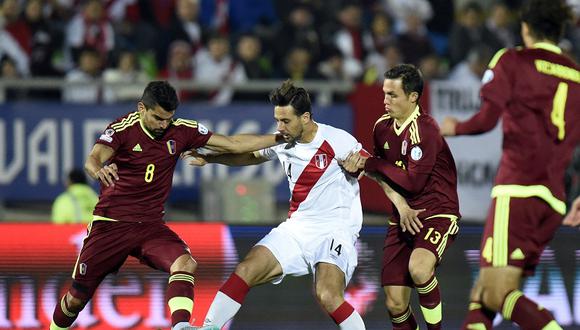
(410, 76)
(546, 18)
(288, 94)
(77, 176)
(160, 93)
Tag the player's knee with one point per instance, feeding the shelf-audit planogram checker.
(395, 306)
(185, 263)
(492, 297)
(75, 305)
(420, 270)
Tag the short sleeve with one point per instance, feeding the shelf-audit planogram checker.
(269, 153)
(111, 138)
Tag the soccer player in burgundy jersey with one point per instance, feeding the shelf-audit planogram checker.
(411, 157)
(134, 160)
(323, 222)
(536, 92)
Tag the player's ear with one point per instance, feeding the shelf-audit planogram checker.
(414, 97)
(141, 106)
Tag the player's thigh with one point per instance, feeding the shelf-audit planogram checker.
(329, 279)
(516, 232)
(396, 254)
(286, 250)
(104, 251)
(160, 246)
(334, 249)
(437, 235)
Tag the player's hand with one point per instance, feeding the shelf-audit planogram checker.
(194, 158)
(573, 216)
(410, 220)
(448, 126)
(354, 162)
(108, 175)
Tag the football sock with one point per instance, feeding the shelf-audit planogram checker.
(180, 296)
(347, 318)
(227, 301)
(62, 317)
(526, 313)
(430, 301)
(478, 317)
(404, 321)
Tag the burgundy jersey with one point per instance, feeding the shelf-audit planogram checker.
(536, 92)
(145, 166)
(416, 159)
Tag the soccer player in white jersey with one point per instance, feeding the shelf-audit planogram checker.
(323, 222)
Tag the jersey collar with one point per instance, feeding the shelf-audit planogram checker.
(414, 114)
(548, 46)
(145, 130)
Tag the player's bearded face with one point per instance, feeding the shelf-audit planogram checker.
(288, 123)
(156, 120)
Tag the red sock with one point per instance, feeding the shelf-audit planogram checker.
(404, 321)
(180, 296)
(62, 317)
(524, 312)
(478, 315)
(430, 301)
(342, 312)
(235, 288)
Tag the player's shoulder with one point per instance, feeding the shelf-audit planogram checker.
(505, 55)
(189, 125)
(332, 133)
(384, 119)
(423, 126)
(122, 123)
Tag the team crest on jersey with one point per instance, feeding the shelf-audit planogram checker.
(404, 147)
(416, 153)
(321, 161)
(171, 146)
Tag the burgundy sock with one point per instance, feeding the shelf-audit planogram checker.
(404, 321)
(524, 312)
(180, 296)
(62, 317)
(479, 315)
(430, 301)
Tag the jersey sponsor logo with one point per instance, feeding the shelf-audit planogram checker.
(172, 147)
(202, 129)
(404, 147)
(137, 148)
(416, 153)
(321, 161)
(386, 145)
(487, 77)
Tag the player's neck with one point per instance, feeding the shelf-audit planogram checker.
(309, 132)
(403, 118)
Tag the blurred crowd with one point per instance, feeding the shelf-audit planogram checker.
(225, 42)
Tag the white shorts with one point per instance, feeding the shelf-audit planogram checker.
(299, 249)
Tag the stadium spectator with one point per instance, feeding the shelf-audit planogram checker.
(90, 28)
(536, 92)
(298, 65)
(376, 64)
(179, 67)
(44, 41)
(124, 78)
(414, 42)
(320, 232)
(402, 9)
(134, 160)
(14, 36)
(215, 65)
(249, 55)
(471, 70)
(469, 31)
(83, 82)
(77, 202)
(334, 67)
(500, 23)
(412, 157)
(351, 35)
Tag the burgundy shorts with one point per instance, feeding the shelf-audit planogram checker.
(516, 232)
(437, 234)
(109, 243)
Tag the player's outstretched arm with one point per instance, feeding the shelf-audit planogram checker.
(107, 174)
(409, 218)
(242, 143)
(573, 216)
(194, 158)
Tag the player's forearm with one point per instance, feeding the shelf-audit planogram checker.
(92, 166)
(403, 179)
(399, 201)
(483, 121)
(243, 143)
(234, 159)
